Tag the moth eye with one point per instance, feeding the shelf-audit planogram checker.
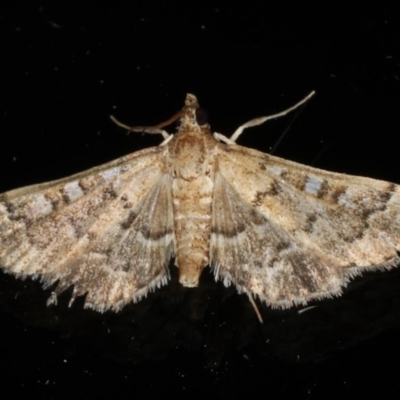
(201, 116)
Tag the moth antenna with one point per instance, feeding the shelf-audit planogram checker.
(283, 134)
(142, 129)
(169, 121)
(261, 120)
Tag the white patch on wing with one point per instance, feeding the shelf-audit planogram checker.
(275, 170)
(41, 205)
(313, 185)
(73, 191)
(345, 199)
(110, 173)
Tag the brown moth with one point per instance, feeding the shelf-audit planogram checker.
(280, 231)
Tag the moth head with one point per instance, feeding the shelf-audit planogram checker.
(194, 117)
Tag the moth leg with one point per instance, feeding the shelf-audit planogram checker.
(261, 120)
(167, 140)
(220, 137)
(257, 311)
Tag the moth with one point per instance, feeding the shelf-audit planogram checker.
(279, 231)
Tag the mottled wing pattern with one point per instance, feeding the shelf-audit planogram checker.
(107, 231)
(289, 233)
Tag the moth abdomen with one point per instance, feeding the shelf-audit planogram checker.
(192, 220)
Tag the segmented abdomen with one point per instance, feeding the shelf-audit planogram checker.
(192, 212)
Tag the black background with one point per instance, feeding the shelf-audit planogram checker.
(64, 69)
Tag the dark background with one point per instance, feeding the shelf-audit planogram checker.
(64, 69)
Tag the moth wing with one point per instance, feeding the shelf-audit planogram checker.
(108, 231)
(289, 233)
